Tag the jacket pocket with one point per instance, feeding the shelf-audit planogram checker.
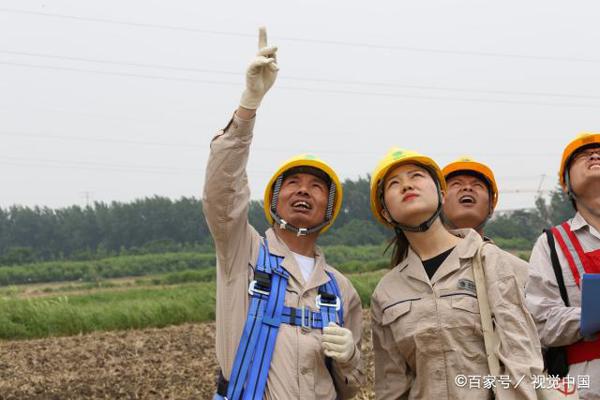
(466, 303)
(399, 320)
(394, 311)
(463, 327)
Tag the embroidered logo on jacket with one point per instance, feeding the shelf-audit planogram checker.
(466, 284)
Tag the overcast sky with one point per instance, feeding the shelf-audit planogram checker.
(117, 100)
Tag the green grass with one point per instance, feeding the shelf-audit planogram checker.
(347, 259)
(168, 289)
(365, 284)
(107, 310)
(114, 267)
(174, 278)
(133, 308)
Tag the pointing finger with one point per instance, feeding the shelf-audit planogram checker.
(262, 37)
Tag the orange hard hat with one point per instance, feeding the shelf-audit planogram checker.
(466, 163)
(583, 139)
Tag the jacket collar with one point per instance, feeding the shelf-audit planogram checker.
(412, 265)
(578, 222)
(279, 248)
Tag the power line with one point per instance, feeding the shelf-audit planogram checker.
(524, 191)
(125, 63)
(310, 90)
(96, 166)
(146, 169)
(46, 135)
(304, 40)
(102, 140)
(122, 74)
(295, 78)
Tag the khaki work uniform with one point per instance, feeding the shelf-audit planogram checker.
(558, 325)
(298, 369)
(428, 332)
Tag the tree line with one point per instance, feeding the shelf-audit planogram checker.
(159, 224)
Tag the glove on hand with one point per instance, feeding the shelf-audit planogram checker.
(261, 73)
(337, 343)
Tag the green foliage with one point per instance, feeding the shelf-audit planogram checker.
(525, 224)
(152, 225)
(560, 207)
(365, 285)
(131, 309)
(185, 266)
(519, 229)
(157, 225)
(524, 255)
(352, 259)
(114, 267)
(17, 255)
(189, 276)
(337, 255)
(354, 233)
(517, 243)
(149, 225)
(135, 308)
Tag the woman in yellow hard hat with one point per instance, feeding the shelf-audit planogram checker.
(288, 324)
(471, 196)
(561, 259)
(427, 330)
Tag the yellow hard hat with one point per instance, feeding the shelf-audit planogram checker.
(581, 140)
(307, 160)
(466, 163)
(394, 157)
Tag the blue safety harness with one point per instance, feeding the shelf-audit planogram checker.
(266, 313)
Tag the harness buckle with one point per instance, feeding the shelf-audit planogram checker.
(252, 289)
(308, 326)
(320, 303)
(283, 224)
(302, 232)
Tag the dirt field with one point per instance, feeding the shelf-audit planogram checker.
(171, 363)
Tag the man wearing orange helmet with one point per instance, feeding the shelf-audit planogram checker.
(558, 261)
(470, 199)
(471, 196)
(288, 324)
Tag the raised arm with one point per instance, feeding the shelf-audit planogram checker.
(226, 193)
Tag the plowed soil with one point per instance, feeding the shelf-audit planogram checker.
(170, 363)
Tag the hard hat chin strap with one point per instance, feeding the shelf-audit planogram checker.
(421, 227)
(283, 224)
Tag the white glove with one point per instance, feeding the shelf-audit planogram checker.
(337, 343)
(261, 73)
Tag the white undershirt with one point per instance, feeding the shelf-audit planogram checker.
(306, 264)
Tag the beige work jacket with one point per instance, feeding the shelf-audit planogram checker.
(298, 369)
(427, 333)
